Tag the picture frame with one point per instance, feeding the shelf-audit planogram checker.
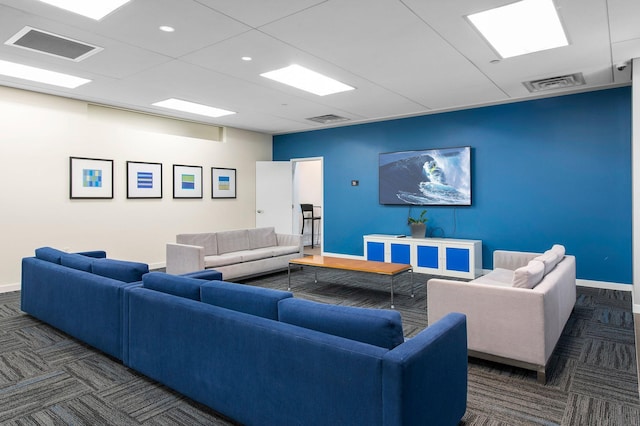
(187, 181)
(144, 180)
(223, 182)
(90, 178)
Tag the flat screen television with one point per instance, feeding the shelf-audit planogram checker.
(429, 177)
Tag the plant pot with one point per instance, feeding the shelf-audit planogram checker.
(418, 230)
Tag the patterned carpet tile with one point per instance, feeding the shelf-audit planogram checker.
(20, 365)
(609, 354)
(584, 410)
(512, 400)
(86, 410)
(31, 395)
(142, 398)
(606, 384)
(100, 372)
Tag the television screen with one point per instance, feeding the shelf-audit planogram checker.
(436, 177)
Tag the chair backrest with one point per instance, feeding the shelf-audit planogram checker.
(306, 208)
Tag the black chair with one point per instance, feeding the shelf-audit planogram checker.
(307, 214)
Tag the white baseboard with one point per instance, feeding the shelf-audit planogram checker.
(604, 285)
(6, 288)
(344, 256)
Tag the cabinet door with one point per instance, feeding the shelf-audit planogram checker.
(458, 259)
(400, 253)
(375, 251)
(428, 258)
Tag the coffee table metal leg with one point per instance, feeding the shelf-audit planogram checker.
(392, 306)
(411, 272)
(289, 276)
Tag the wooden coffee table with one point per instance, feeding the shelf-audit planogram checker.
(381, 268)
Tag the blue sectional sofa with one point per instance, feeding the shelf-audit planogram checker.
(259, 356)
(262, 357)
(82, 294)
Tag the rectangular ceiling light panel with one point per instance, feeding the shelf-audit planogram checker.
(193, 108)
(94, 9)
(523, 27)
(25, 72)
(52, 44)
(307, 80)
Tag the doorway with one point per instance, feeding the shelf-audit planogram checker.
(308, 189)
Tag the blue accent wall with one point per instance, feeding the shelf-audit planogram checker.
(554, 170)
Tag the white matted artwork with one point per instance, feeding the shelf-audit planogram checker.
(90, 178)
(223, 183)
(187, 181)
(144, 180)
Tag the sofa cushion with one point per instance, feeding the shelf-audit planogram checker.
(222, 260)
(208, 240)
(77, 261)
(262, 302)
(549, 259)
(379, 327)
(49, 254)
(262, 237)
(284, 250)
(230, 241)
(121, 270)
(499, 276)
(528, 276)
(256, 254)
(172, 284)
(559, 250)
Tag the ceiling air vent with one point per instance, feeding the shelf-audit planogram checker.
(328, 119)
(52, 44)
(553, 83)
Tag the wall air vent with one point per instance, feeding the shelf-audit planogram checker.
(52, 44)
(328, 119)
(553, 83)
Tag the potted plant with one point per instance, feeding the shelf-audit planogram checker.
(418, 225)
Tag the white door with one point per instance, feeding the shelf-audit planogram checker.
(274, 205)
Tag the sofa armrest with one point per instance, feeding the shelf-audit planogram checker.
(512, 260)
(508, 322)
(427, 375)
(183, 258)
(290, 240)
(205, 274)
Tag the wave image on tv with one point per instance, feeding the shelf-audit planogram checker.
(427, 177)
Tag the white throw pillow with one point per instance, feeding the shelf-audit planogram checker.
(549, 259)
(528, 276)
(558, 250)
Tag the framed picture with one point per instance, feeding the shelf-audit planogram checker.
(90, 178)
(223, 183)
(144, 180)
(187, 181)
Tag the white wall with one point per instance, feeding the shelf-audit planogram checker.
(38, 134)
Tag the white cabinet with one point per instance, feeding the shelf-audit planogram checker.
(438, 256)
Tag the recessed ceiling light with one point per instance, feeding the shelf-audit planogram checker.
(523, 27)
(166, 28)
(246, 58)
(193, 108)
(94, 9)
(40, 75)
(307, 80)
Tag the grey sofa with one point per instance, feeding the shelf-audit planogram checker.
(236, 254)
(515, 313)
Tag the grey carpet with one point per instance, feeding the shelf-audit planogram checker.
(48, 378)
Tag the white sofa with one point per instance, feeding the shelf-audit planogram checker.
(235, 254)
(515, 313)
